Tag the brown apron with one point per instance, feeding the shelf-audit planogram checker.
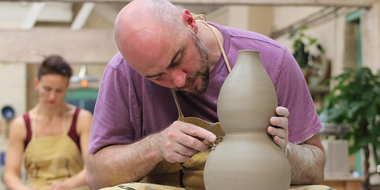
(51, 159)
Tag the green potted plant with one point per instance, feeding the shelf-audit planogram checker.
(301, 49)
(355, 100)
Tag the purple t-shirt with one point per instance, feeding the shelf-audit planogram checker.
(130, 107)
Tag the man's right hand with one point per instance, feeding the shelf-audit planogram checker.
(126, 163)
(181, 140)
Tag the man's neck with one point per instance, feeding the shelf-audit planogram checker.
(211, 43)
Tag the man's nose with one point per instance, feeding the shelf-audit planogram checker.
(178, 77)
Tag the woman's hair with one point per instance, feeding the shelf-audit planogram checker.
(54, 64)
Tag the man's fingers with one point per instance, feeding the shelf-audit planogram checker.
(193, 142)
(282, 111)
(185, 150)
(181, 153)
(280, 142)
(182, 140)
(176, 157)
(279, 121)
(198, 132)
(277, 132)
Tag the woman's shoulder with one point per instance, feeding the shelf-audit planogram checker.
(18, 127)
(84, 118)
(82, 113)
(70, 109)
(84, 121)
(18, 122)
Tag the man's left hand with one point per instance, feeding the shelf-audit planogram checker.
(279, 128)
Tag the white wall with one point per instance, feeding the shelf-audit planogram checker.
(13, 87)
(370, 37)
(286, 15)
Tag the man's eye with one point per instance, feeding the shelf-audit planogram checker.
(159, 78)
(176, 62)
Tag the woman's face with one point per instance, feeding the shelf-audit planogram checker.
(51, 89)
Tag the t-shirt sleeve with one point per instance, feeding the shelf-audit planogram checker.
(116, 111)
(293, 93)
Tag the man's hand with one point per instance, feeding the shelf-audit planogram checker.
(181, 140)
(279, 130)
(306, 160)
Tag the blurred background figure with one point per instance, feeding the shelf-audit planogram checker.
(53, 136)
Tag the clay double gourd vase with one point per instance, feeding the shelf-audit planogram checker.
(247, 158)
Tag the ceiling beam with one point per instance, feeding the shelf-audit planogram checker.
(51, 12)
(82, 16)
(31, 18)
(85, 46)
(315, 19)
(106, 12)
(337, 3)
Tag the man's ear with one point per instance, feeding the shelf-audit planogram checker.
(189, 21)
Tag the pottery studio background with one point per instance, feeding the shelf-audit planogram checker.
(82, 32)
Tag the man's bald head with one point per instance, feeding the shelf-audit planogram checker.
(144, 22)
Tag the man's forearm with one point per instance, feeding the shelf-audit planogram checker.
(306, 162)
(118, 164)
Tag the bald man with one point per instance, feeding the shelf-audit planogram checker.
(138, 131)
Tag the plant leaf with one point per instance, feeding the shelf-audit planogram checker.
(304, 27)
(371, 112)
(353, 149)
(366, 140)
(355, 106)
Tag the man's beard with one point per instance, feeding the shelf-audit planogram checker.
(205, 73)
